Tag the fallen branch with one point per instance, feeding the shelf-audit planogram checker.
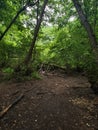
(3, 112)
(14, 93)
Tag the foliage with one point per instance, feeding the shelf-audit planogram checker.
(36, 75)
(68, 46)
(7, 70)
(62, 39)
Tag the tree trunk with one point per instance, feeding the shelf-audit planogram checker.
(94, 77)
(14, 19)
(86, 24)
(36, 31)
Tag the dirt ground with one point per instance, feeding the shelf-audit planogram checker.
(55, 102)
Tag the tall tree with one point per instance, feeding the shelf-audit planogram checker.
(36, 31)
(93, 40)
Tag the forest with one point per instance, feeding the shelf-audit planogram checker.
(48, 53)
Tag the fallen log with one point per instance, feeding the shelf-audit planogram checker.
(3, 112)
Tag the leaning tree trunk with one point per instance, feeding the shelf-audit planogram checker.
(91, 36)
(85, 23)
(36, 31)
(16, 16)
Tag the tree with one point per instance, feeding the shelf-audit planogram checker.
(85, 23)
(28, 4)
(93, 79)
(36, 31)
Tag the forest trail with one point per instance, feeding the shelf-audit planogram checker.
(55, 102)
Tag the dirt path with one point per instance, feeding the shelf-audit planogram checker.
(52, 103)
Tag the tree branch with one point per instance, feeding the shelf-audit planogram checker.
(3, 112)
(16, 16)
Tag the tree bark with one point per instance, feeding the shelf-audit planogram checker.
(16, 16)
(93, 40)
(36, 31)
(86, 24)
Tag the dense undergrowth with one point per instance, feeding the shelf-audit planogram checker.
(65, 48)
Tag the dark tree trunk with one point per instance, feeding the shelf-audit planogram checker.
(14, 19)
(92, 38)
(36, 31)
(86, 24)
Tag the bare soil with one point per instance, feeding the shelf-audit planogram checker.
(55, 102)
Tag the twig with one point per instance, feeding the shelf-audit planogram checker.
(3, 112)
